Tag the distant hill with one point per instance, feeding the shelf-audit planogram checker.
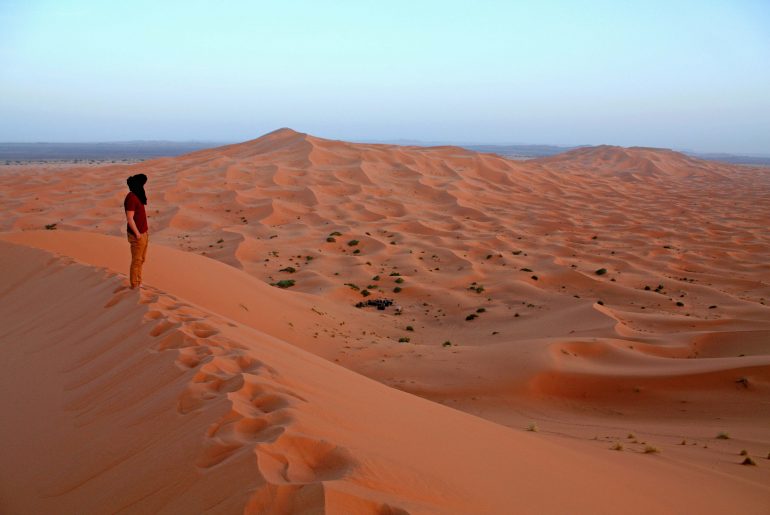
(111, 150)
(139, 150)
(733, 158)
(519, 151)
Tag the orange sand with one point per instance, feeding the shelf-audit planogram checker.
(200, 393)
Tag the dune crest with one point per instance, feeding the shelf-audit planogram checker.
(172, 408)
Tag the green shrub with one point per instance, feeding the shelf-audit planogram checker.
(285, 283)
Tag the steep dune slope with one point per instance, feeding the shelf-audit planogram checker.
(145, 402)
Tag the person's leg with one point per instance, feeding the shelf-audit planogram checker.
(145, 240)
(136, 256)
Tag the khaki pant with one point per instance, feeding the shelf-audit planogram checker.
(138, 253)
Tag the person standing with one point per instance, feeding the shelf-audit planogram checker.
(136, 217)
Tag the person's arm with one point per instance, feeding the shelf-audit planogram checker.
(132, 224)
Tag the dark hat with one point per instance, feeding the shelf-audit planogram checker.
(138, 179)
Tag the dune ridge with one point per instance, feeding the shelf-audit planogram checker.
(153, 404)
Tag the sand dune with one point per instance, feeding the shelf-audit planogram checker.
(146, 402)
(597, 293)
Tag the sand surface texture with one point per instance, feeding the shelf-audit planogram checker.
(609, 298)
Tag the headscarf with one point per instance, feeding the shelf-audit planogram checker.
(136, 185)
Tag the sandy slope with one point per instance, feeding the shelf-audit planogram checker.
(672, 343)
(147, 402)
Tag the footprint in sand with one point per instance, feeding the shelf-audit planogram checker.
(119, 296)
(259, 420)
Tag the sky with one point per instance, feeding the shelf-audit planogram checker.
(683, 74)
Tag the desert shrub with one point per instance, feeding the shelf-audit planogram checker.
(400, 280)
(289, 269)
(601, 271)
(403, 339)
(471, 316)
(352, 243)
(285, 283)
(397, 289)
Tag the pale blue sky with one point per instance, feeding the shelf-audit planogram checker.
(682, 74)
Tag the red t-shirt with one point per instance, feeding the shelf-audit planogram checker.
(132, 203)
